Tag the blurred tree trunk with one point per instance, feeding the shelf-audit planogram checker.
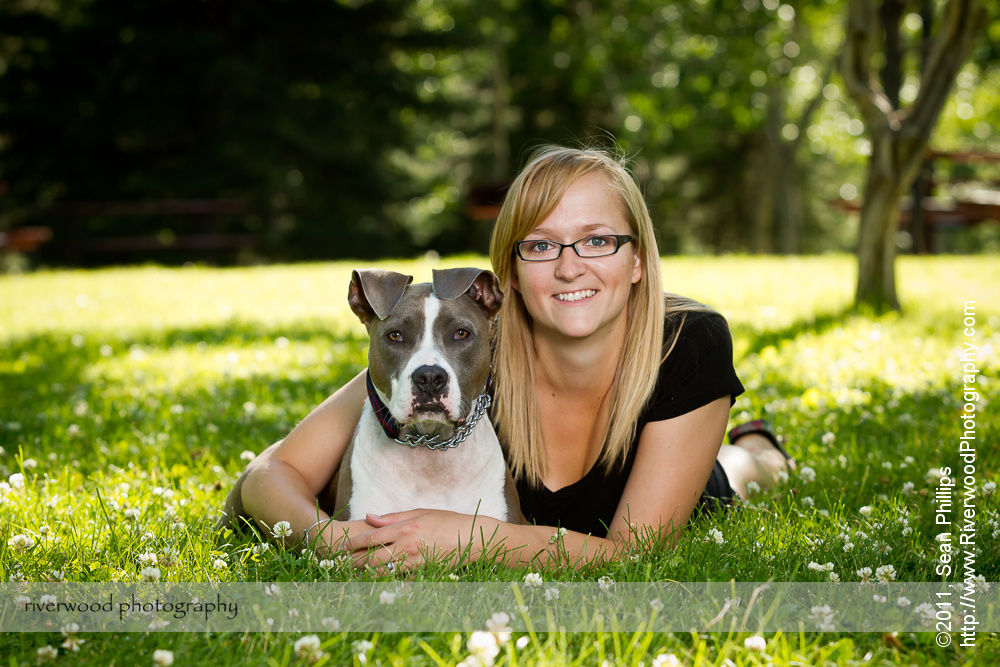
(783, 186)
(501, 102)
(899, 138)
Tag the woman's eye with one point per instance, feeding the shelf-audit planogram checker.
(462, 334)
(395, 336)
(539, 246)
(598, 241)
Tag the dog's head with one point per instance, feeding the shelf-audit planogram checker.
(429, 350)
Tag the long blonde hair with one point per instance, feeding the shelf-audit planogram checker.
(532, 197)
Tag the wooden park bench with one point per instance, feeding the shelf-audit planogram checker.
(69, 240)
(942, 214)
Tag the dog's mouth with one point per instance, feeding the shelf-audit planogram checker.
(422, 425)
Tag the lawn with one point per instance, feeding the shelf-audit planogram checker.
(130, 397)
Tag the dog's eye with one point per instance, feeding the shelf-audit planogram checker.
(462, 334)
(395, 336)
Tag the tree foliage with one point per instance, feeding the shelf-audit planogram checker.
(360, 129)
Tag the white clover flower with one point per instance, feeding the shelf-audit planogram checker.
(887, 465)
(823, 616)
(903, 602)
(281, 529)
(808, 501)
(219, 564)
(386, 597)
(331, 624)
(29, 464)
(178, 526)
(656, 605)
(150, 574)
(865, 573)
(158, 624)
(47, 653)
(46, 599)
(605, 582)
(755, 644)
(483, 647)
(715, 535)
(258, 549)
(452, 577)
(782, 478)
(73, 643)
(666, 660)
(753, 488)
(885, 574)
(21, 542)
(5, 489)
(533, 579)
(834, 577)
(828, 438)
(865, 510)
(163, 658)
(926, 612)
(906, 531)
(879, 598)
(293, 614)
(499, 625)
(16, 481)
(816, 567)
(979, 583)
(56, 575)
(807, 474)
(908, 488)
(133, 514)
(307, 646)
(327, 564)
(147, 558)
(551, 594)
(989, 488)
(247, 455)
(933, 475)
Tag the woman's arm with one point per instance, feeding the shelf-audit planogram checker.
(283, 483)
(673, 462)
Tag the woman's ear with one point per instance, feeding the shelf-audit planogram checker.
(637, 269)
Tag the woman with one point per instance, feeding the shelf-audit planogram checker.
(612, 401)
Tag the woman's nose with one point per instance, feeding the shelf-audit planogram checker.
(569, 265)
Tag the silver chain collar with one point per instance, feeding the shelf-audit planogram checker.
(461, 433)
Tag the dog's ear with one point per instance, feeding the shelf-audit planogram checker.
(374, 293)
(483, 286)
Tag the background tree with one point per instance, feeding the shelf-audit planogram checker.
(899, 137)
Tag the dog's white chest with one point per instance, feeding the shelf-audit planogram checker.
(390, 477)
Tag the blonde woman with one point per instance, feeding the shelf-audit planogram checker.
(611, 398)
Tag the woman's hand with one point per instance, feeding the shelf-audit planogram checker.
(408, 539)
(330, 536)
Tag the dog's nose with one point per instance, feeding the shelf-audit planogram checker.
(429, 380)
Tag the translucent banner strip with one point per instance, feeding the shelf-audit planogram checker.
(399, 606)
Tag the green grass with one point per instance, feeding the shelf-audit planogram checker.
(135, 391)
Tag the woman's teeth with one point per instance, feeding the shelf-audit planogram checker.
(576, 296)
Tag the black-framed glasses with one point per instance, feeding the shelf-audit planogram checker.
(543, 250)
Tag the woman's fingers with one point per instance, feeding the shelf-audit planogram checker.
(379, 520)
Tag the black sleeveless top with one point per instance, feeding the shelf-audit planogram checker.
(698, 371)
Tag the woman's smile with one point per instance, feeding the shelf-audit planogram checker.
(573, 297)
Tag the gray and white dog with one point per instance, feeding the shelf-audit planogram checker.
(424, 439)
